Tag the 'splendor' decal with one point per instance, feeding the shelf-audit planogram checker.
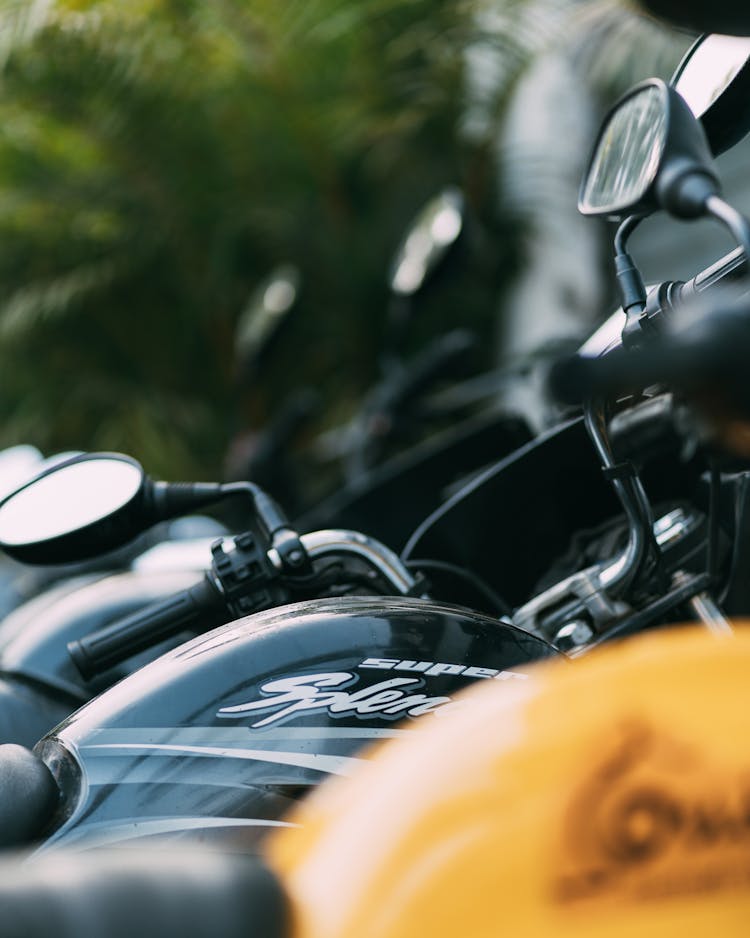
(289, 697)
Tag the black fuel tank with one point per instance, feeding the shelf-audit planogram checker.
(219, 736)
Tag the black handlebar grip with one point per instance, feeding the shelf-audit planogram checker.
(200, 607)
(154, 893)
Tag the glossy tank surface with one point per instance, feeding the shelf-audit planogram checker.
(220, 736)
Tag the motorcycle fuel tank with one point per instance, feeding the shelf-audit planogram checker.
(220, 736)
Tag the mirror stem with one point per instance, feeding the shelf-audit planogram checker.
(282, 536)
(624, 231)
(174, 499)
(735, 221)
(630, 282)
(270, 514)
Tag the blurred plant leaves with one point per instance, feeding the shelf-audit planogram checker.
(158, 157)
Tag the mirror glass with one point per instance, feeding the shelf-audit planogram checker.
(709, 69)
(627, 154)
(67, 499)
(435, 229)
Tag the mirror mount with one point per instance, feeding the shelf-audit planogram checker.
(97, 502)
(163, 501)
(735, 221)
(683, 188)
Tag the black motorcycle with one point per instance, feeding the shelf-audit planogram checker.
(219, 735)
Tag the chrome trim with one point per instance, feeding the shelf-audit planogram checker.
(589, 585)
(337, 541)
(621, 571)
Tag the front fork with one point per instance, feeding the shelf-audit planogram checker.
(590, 606)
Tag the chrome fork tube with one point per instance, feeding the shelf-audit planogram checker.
(618, 574)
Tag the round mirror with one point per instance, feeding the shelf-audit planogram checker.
(57, 516)
(714, 79)
(431, 235)
(627, 156)
(709, 69)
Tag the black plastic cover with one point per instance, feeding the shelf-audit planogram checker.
(193, 894)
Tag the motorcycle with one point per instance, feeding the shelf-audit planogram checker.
(40, 683)
(411, 440)
(290, 692)
(589, 820)
(686, 540)
(316, 664)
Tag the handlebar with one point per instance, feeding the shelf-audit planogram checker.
(708, 353)
(733, 266)
(200, 608)
(687, 359)
(196, 893)
(207, 605)
(693, 336)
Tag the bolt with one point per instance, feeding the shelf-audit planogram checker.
(295, 558)
(573, 635)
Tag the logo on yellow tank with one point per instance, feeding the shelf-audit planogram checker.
(654, 819)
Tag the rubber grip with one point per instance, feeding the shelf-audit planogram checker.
(199, 608)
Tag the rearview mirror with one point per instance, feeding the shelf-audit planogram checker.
(59, 515)
(429, 239)
(263, 317)
(651, 153)
(89, 505)
(714, 79)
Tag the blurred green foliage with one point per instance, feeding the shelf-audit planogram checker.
(159, 157)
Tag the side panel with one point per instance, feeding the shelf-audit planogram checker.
(34, 637)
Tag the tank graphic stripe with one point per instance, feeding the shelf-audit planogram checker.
(195, 735)
(100, 834)
(336, 765)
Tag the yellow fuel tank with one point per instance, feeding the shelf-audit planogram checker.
(606, 797)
